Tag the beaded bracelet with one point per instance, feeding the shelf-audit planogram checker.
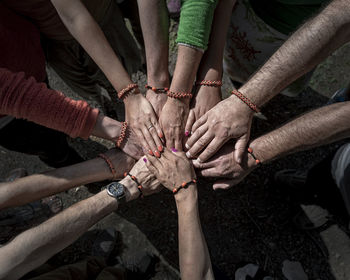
(125, 91)
(179, 95)
(246, 100)
(157, 90)
(139, 186)
(250, 151)
(183, 186)
(122, 135)
(209, 83)
(110, 165)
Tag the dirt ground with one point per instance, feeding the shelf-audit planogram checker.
(250, 223)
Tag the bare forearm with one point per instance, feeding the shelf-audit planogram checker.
(155, 28)
(194, 256)
(307, 47)
(87, 32)
(316, 128)
(33, 247)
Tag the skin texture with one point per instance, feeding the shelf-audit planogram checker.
(318, 127)
(307, 47)
(172, 169)
(139, 112)
(35, 246)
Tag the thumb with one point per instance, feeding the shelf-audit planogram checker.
(224, 184)
(240, 148)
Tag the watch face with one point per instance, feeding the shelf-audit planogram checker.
(116, 190)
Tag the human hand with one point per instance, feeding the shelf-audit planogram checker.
(171, 169)
(157, 100)
(172, 120)
(143, 121)
(121, 160)
(224, 165)
(205, 99)
(230, 118)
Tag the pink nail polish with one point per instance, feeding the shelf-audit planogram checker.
(145, 159)
(174, 150)
(187, 133)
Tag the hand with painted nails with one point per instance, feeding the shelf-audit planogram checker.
(224, 165)
(230, 118)
(172, 120)
(205, 99)
(142, 119)
(171, 169)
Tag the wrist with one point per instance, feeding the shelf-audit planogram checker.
(213, 74)
(131, 191)
(259, 152)
(186, 196)
(158, 80)
(132, 97)
(106, 128)
(179, 101)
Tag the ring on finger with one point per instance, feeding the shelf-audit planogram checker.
(150, 126)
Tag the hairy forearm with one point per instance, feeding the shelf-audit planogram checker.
(35, 246)
(307, 47)
(87, 32)
(194, 256)
(316, 128)
(211, 64)
(155, 28)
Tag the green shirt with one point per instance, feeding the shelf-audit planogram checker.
(286, 15)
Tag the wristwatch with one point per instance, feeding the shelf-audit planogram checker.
(117, 190)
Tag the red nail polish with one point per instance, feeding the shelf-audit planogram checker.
(157, 154)
(160, 148)
(161, 135)
(150, 152)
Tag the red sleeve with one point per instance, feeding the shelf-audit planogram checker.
(25, 98)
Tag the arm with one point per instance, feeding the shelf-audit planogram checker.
(139, 112)
(155, 28)
(308, 46)
(318, 127)
(35, 246)
(172, 170)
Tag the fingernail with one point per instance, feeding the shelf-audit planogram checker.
(161, 135)
(187, 133)
(157, 154)
(174, 150)
(150, 152)
(187, 147)
(188, 154)
(145, 159)
(160, 148)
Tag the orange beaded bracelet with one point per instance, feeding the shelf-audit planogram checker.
(250, 151)
(139, 186)
(179, 95)
(126, 91)
(246, 100)
(122, 135)
(110, 165)
(157, 90)
(209, 83)
(184, 185)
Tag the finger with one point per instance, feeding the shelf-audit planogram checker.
(240, 148)
(224, 184)
(211, 149)
(200, 144)
(150, 141)
(202, 120)
(156, 132)
(196, 135)
(190, 121)
(145, 147)
(154, 161)
(169, 138)
(204, 165)
(178, 139)
(209, 172)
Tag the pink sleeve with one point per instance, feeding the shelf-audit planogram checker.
(28, 99)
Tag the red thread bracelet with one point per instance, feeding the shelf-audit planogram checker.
(179, 95)
(139, 186)
(246, 100)
(125, 91)
(122, 135)
(110, 165)
(209, 83)
(157, 90)
(250, 151)
(184, 185)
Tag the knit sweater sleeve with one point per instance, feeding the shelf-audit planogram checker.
(196, 18)
(25, 98)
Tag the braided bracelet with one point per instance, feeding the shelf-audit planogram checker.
(122, 135)
(183, 186)
(110, 165)
(139, 186)
(250, 151)
(179, 95)
(157, 90)
(126, 91)
(209, 83)
(246, 100)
